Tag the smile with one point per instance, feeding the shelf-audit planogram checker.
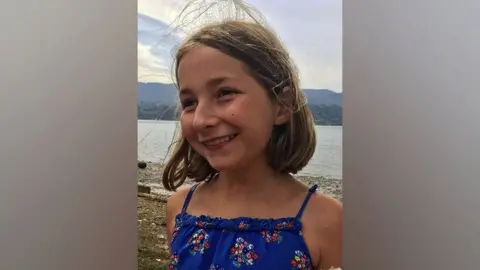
(219, 141)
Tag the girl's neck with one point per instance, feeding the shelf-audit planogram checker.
(249, 182)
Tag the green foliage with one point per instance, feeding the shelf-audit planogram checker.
(326, 115)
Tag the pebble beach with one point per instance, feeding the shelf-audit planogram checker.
(152, 176)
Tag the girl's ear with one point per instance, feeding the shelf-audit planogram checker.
(284, 106)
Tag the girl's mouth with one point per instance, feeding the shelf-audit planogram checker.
(219, 142)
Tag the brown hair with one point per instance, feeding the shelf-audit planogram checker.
(291, 145)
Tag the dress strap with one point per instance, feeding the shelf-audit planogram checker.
(189, 196)
(311, 190)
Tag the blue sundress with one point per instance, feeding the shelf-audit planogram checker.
(208, 243)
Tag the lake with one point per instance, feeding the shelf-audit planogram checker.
(154, 138)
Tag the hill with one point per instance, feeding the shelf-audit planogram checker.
(158, 101)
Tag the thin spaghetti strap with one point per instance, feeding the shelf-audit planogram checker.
(312, 190)
(189, 196)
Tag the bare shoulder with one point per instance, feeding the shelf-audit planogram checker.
(172, 208)
(328, 211)
(325, 218)
(176, 200)
(324, 209)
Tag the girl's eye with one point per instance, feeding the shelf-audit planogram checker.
(187, 104)
(226, 92)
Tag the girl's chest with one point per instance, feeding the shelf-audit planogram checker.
(238, 246)
(201, 252)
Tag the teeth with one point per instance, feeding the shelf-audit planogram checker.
(220, 140)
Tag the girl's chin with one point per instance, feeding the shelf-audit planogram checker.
(223, 164)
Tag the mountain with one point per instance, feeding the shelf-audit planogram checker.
(157, 93)
(167, 94)
(323, 97)
(158, 100)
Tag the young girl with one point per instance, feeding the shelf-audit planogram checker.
(245, 129)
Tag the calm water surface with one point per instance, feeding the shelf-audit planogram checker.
(154, 138)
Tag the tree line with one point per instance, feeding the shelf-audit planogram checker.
(324, 115)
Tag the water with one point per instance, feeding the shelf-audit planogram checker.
(154, 138)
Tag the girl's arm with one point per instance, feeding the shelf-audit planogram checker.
(169, 220)
(330, 233)
(173, 208)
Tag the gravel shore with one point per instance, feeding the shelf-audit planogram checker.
(152, 176)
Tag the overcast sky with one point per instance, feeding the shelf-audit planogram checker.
(310, 29)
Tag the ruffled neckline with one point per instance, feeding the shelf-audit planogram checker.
(239, 223)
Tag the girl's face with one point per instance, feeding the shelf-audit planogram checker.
(227, 116)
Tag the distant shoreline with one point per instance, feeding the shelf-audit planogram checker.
(172, 120)
(152, 176)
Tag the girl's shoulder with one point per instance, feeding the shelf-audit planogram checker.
(328, 207)
(323, 218)
(318, 204)
(177, 199)
(321, 207)
(325, 214)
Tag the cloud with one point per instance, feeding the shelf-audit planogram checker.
(310, 29)
(150, 67)
(312, 32)
(163, 10)
(156, 42)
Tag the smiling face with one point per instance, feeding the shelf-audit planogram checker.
(227, 116)
(242, 107)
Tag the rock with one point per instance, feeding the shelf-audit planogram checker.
(142, 165)
(144, 189)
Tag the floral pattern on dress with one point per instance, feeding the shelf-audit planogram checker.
(284, 225)
(215, 267)
(203, 224)
(199, 242)
(243, 253)
(173, 262)
(243, 225)
(300, 261)
(175, 232)
(272, 236)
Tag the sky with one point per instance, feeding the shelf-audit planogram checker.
(310, 29)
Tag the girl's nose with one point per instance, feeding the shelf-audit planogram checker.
(205, 117)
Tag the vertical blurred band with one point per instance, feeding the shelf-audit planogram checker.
(411, 134)
(68, 135)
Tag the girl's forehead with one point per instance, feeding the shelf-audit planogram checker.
(206, 56)
(201, 64)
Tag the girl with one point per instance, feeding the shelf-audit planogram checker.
(245, 129)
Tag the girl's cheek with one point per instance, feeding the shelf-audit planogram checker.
(197, 148)
(185, 123)
(188, 134)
